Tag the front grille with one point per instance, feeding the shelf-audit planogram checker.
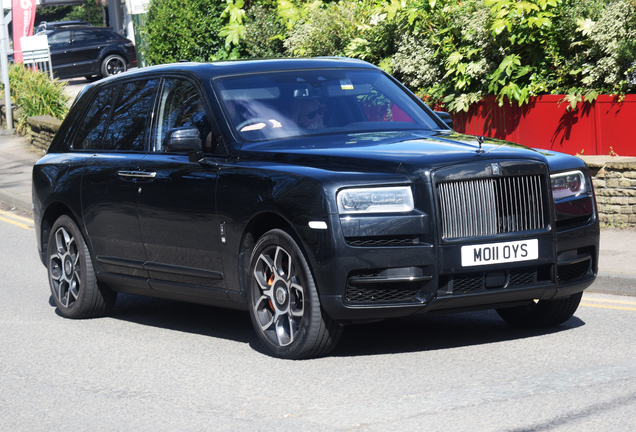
(570, 272)
(381, 293)
(381, 241)
(577, 222)
(522, 277)
(476, 282)
(468, 283)
(476, 208)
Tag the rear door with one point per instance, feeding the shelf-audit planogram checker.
(85, 48)
(110, 181)
(177, 211)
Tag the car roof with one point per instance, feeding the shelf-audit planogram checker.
(78, 27)
(207, 71)
(55, 24)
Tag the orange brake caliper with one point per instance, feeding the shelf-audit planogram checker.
(270, 282)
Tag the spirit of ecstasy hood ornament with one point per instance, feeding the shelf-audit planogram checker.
(480, 140)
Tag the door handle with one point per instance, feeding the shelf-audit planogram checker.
(137, 174)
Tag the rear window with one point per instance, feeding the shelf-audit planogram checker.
(295, 103)
(127, 128)
(117, 119)
(91, 132)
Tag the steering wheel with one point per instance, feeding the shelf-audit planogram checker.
(253, 121)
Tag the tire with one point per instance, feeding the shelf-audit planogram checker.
(112, 65)
(75, 289)
(544, 313)
(284, 303)
(91, 78)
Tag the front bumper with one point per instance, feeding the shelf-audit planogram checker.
(369, 281)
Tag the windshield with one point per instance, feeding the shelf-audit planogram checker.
(307, 102)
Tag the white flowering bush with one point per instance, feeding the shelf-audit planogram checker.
(612, 46)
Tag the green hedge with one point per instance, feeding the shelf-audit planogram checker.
(177, 30)
(448, 51)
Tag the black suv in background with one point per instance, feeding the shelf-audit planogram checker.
(312, 193)
(84, 50)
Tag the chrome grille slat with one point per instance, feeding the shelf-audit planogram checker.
(477, 208)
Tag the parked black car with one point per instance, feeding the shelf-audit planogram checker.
(313, 193)
(92, 52)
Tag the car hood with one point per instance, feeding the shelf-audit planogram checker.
(389, 152)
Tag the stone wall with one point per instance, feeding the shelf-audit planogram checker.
(16, 114)
(615, 186)
(43, 129)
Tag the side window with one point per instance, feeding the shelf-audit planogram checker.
(181, 106)
(84, 37)
(109, 34)
(126, 130)
(59, 39)
(91, 132)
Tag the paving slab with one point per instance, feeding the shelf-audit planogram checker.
(17, 157)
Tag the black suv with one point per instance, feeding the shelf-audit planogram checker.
(89, 51)
(313, 193)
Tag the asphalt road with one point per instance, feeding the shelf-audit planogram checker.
(157, 365)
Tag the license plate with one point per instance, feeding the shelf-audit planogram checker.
(497, 253)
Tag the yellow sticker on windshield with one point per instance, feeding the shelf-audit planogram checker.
(346, 84)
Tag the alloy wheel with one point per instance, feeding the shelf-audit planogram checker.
(279, 299)
(65, 269)
(115, 65)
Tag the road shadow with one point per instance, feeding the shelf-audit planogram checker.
(435, 332)
(183, 317)
(416, 333)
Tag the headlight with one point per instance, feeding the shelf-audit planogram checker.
(375, 200)
(568, 184)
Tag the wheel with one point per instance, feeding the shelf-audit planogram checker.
(543, 313)
(92, 78)
(76, 292)
(113, 65)
(284, 303)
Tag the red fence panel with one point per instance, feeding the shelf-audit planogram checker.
(600, 128)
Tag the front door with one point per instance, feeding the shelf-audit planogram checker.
(177, 206)
(85, 48)
(61, 56)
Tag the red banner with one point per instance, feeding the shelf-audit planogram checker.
(23, 19)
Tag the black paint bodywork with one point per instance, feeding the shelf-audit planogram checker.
(188, 233)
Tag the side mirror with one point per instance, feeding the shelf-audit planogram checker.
(183, 139)
(446, 118)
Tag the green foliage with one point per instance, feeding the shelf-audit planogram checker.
(458, 52)
(36, 94)
(189, 30)
(325, 29)
(51, 13)
(448, 48)
(447, 51)
(611, 47)
(416, 64)
(264, 33)
(234, 31)
(90, 11)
